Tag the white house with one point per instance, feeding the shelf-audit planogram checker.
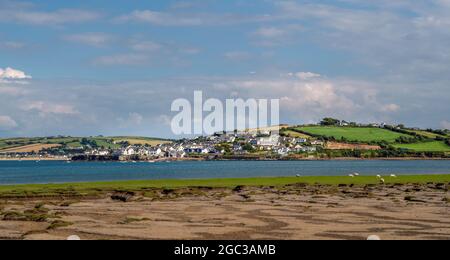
(197, 150)
(318, 143)
(129, 151)
(173, 153)
(98, 152)
(309, 149)
(103, 153)
(142, 151)
(155, 152)
(283, 151)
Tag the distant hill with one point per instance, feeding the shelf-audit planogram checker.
(37, 144)
(354, 134)
(400, 138)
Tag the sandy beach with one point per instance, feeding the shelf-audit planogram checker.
(296, 211)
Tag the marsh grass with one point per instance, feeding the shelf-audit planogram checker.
(25, 216)
(130, 220)
(170, 188)
(37, 214)
(58, 224)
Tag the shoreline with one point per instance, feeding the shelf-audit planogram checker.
(243, 159)
(93, 188)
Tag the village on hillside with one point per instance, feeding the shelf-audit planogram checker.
(331, 138)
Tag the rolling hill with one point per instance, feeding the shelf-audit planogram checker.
(433, 146)
(39, 143)
(356, 134)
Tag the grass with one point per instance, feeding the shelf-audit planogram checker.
(130, 220)
(295, 134)
(140, 140)
(74, 142)
(357, 134)
(95, 189)
(30, 148)
(38, 214)
(435, 146)
(426, 134)
(58, 224)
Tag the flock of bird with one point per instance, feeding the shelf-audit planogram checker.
(379, 177)
(353, 175)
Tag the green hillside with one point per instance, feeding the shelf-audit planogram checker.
(76, 142)
(356, 134)
(435, 146)
(426, 134)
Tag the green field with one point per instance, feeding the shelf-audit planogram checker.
(426, 134)
(75, 142)
(356, 134)
(294, 134)
(92, 189)
(435, 146)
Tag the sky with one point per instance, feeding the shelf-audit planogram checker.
(114, 67)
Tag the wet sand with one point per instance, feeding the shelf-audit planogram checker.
(292, 212)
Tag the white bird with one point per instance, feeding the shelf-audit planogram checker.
(379, 176)
(382, 181)
(393, 176)
(356, 174)
(298, 175)
(351, 175)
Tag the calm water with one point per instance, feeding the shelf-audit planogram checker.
(28, 172)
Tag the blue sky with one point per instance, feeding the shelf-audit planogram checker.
(114, 67)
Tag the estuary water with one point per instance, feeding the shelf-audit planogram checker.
(31, 172)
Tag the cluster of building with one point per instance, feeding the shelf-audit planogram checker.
(236, 143)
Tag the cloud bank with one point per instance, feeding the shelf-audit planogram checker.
(10, 73)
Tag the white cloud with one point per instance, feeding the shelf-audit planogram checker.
(12, 45)
(160, 18)
(92, 39)
(13, 74)
(189, 50)
(58, 17)
(277, 35)
(133, 120)
(237, 55)
(270, 32)
(47, 108)
(301, 102)
(307, 75)
(445, 124)
(405, 40)
(312, 98)
(147, 46)
(122, 59)
(7, 123)
(12, 91)
(390, 108)
(190, 19)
